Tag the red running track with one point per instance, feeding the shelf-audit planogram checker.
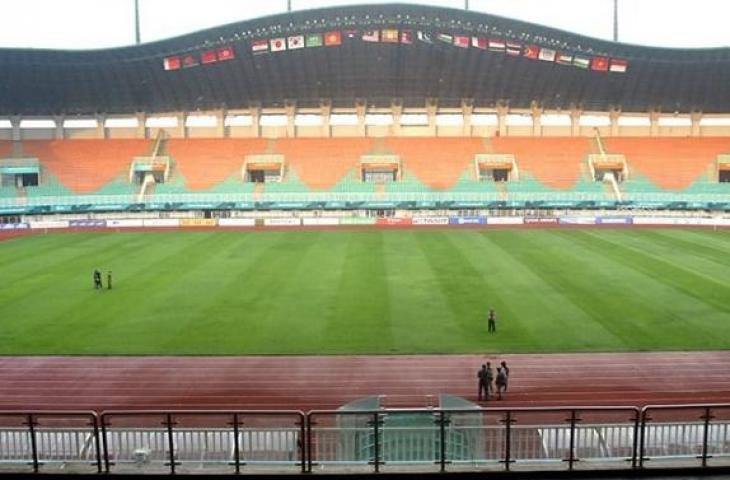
(327, 382)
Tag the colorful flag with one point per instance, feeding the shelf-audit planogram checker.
(496, 45)
(190, 61)
(172, 63)
(389, 36)
(618, 65)
(461, 41)
(445, 37)
(514, 49)
(225, 53)
(259, 46)
(479, 42)
(564, 59)
(278, 44)
(208, 56)
(581, 62)
(351, 33)
(295, 41)
(406, 37)
(424, 37)
(599, 64)
(371, 36)
(532, 51)
(547, 54)
(313, 40)
(332, 39)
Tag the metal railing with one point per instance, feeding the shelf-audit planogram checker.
(338, 441)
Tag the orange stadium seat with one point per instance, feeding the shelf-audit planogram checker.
(437, 162)
(84, 166)
(669, 163)
(205, 163)
(322, 162)
(553, 161)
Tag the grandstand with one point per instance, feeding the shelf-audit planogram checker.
(379, 116)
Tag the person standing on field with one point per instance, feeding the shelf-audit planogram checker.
(97, 279)
(109, 280)
(492, 321)
(505, 369)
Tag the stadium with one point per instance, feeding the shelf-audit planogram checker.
(271, 247)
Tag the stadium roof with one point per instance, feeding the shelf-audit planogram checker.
(509, 61)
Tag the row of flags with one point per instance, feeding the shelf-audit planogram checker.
(203, 58)
(407, 37)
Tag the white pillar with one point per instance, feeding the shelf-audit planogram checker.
(58, 120)
(431, 112)
(396, 111)
(467, 109)
(142, 131)
(695, 129)
(654, 124)
(325, 110)
(575, 122)
(613, 116)
(101, 131)
(255, 117)
(291, 111)
(221, 130)
(182, 130)
(536, 112)
(361, 110)
(15, 125)
(502, 111)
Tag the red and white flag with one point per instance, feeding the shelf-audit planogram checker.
(172, 63)
(496, 44)
(225, 53)
(278, 44)
(295, 41)
(461, 41)
(479, 42)
(514, 49)
(599, 64)
(618, 65)
(389, 36)
(208, 57)
(260, 46)
(406, 37)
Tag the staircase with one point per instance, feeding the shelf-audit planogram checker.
(147, 188)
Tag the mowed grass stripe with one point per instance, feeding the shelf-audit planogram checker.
(649, 309)
(689, 280)
(369, 291)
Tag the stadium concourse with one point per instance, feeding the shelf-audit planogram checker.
(326, 138)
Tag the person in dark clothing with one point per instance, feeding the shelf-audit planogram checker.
(97, 279)
(109, 280)
(492, 321)
(505, 368)
(483, 385)
(501, 382)
(490, 378)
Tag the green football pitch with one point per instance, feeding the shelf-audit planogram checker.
(369, 291)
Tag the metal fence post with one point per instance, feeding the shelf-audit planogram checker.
(571, 453)
(33, 444)
(376, 446)
(507, 439)
(170, 441)
(442, 433)
(95, 424)
(644, 418)
(104, 442)
(302, 450)
(706, 417)
(309, 442)
(236, 446)
(634, 450)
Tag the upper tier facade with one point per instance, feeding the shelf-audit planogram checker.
(438, 57)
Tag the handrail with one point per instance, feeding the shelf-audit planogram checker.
(638, 419)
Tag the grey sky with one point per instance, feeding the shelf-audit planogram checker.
(105, 23)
